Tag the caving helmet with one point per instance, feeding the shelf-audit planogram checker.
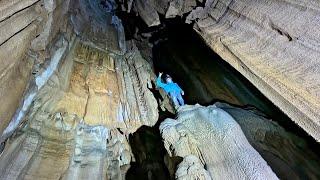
(168, 78)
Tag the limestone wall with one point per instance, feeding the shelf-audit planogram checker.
(27, 27)
(79, 97)
(78, 124)
(275, 46)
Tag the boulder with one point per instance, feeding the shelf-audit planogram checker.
(215, 138)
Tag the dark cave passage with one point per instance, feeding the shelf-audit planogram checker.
(149, 154)
(206, 78)
(203, 75)
(152, 161)
(176, 49)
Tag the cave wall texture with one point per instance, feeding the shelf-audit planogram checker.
(275, 48)
(82, 90)
(73, 89)
(274, 44)
(78, 124)
(28, 30)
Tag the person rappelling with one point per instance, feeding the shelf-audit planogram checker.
(172, 89)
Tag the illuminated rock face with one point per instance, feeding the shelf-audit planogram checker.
(28, 30)
(78, 125)
(280, 148)
(98, 25)
(110, 91)
(71, 102)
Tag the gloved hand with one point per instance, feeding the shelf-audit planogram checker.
(160, 74)
(182, 93)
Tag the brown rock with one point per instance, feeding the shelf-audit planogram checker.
(15, 72)
(81, 118)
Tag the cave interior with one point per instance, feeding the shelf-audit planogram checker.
(172, 47)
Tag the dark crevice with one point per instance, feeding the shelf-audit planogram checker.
(152, 161)
(2, 146)
(17, 32)
(281, 32)
(16, 12)
(200, 3)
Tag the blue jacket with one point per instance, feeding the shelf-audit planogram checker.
(169, 88)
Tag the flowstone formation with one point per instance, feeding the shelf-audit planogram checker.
(77, 126)
(192, 168)
(211, 136)
(74, 94)
(199, 132)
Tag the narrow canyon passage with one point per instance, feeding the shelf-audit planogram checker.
(202, 73)
(80, 101)
(207, 79)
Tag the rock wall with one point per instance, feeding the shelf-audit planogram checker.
(289, 156)
(70, 102)
(267, 44)
(78, 125)
(27, 28)
(79, 95)
(98, 25)
(275, 45)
